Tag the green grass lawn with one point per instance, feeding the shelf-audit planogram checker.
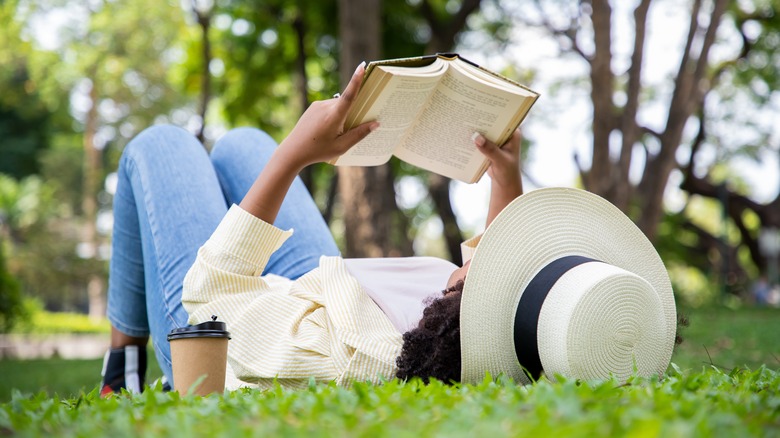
(739, 397)
(709, 403)
(61, 377)
(745, 337)
(730, 338)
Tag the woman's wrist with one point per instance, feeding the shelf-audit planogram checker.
(511, 186)
(265, 197)
(501, 194)
(287, 160)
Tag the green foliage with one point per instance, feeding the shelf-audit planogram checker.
(759, 21)
(61, 166)
(50, 270)
(696, 274)
(41, 244)
(11, 302)
(131, 69)
(122, 51)
(24, 135)
(42, 322)
(255, 46)
(689, 268)
(24, 206)
(24, 117)
(709, 403)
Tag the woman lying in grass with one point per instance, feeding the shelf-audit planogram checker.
(193, 237)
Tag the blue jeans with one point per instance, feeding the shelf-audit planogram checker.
(170, 197)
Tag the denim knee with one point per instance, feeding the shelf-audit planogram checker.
(158, 136)
(242, 141)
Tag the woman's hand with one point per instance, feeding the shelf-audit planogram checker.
(319, 134)
(504, 167)
(504, 172)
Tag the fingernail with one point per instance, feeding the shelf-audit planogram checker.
(360, 66)
(478, 139)
(373, 127)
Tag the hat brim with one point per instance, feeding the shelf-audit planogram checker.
(532, 231)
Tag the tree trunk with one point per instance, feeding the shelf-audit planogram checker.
(204, 21)
(689, 93)
(439, 190)
(371, 214)
(89, 205)
(367, 193)
(608, 175)
(602, 81)
(443, 34)
(303, 86)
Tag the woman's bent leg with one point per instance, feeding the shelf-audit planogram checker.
(238, 158)
(167, 204)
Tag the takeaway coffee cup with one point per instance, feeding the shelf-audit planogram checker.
(199, 355)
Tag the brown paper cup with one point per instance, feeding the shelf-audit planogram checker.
(199, 356)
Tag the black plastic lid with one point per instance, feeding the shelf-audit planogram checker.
(208, 329)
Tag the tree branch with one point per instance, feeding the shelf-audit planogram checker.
(747, 45)
(749, 241)
(709, 39)
(580, 168)
(684, 80)
(629, 127)
(701, 135)
(458, 22)
(443, 32)
(703, 187)
(646, 130)
(570, 33)
(732, 274)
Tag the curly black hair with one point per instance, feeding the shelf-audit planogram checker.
(432, 350)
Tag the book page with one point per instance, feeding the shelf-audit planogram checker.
(478, 74)
(395, 108)
(441, 139)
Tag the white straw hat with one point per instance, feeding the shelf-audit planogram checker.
(563, 282)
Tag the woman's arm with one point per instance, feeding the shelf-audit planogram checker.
(504, 172)
(318, 136)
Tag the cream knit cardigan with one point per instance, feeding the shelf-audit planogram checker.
(320, 326)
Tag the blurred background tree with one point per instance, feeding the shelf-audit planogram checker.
(723, 87)
(80, 79)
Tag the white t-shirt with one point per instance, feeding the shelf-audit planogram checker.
(400, 285)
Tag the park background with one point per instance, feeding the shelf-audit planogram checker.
(667, 109)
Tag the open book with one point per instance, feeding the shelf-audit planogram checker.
(428, 109)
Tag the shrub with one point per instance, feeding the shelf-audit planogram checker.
(42, 322)
(12, 309)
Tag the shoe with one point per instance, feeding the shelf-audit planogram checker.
(123, 368)
(166, 385)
